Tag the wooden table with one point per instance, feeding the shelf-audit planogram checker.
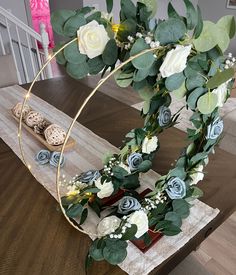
(36, 239)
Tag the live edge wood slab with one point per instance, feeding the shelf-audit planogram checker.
(36, 239)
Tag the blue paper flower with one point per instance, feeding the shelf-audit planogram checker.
(215, 129)
(89, 176)
(134, 160)
(176, 188)
(43, 157)
(128, 204)
(164, 117)
(54, 160)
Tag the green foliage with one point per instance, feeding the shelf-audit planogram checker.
(174, 218)
(220, 78)
(110, 53)
(193, 82)
(167, 228)
(199, 27)
(115, 251)
(119, 172)
(191, 15)
(207, 103)
(72, 25)
(59, 18)
(227, 23)
(181, 207)
(145, 166)
(122, 79)
(96, 65)
(74, 211)
(151, 6)
(128, 9)
(72, 54)
(130, 232)
(172, 12)
(170, 31)
(146, 60)
(109, 5)
(128, 27)
(194, 96)
(60, 57)
(174, 82)
(77, 71)
(95, 252)
(180, 92)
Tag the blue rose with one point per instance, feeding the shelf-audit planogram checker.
(134, 160)
(54, 160)
(128, 204)
(89, 176)
(215, 129)
(43, 157)
(176, 188)
(164, 117)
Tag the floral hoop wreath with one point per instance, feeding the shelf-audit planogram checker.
(156, 63)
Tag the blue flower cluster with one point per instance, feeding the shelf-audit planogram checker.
(44, 156)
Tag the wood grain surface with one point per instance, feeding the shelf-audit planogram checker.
(36, 239)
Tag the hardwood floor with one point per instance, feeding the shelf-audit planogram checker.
(218, 252)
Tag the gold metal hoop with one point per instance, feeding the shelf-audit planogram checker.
(100, 83)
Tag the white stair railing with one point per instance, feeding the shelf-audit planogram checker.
(21, 41)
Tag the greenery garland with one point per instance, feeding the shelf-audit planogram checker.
(190, 66)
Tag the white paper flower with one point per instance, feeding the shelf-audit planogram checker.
(175, 61)
(197, 176)
(149, 145)
(221, 93)
(92, 39)
(108, 225)
(140, 219)
(106, 188)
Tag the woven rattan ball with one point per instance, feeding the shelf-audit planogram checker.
(33, 118)
(54, 135)
(17, 110)
(39, 128)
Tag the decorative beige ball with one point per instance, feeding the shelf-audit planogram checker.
(33, 118)
(17, 110)
(39, 128)
(54, 135)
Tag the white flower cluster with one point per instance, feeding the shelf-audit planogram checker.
(152, 203)
(108, 167)
(230, 61)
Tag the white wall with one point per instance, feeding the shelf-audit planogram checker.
(17, 7)
(213, 11)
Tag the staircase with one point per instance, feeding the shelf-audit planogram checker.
(22, 42)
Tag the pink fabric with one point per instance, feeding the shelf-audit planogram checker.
(40, 12)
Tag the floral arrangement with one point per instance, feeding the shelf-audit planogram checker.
(182, 56)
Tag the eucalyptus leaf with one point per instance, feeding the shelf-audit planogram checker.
(192, 15)
(172, 12)
(95, 252)
(170, 31)
(144, 61)
(145, 166)
(128, 8)
(73, 55)
(146, 107)
(73, 24)
(194, 96)
(223, 40)
(199, 27)
(59, 18)
(208, 38)
(207, 103)
(181, 207)
(180, 92)
(77, 71)
(84, 216)
(74, 211)
(96, 65)
(193, 82)
(228, 24)
(60, 58)
(141, 74)
(220, 78)
(123, 80)
(130, 232)
(151, 6)
(174, 218)
(175, 81)
(109, 5)
(110, 53)
(197, 192)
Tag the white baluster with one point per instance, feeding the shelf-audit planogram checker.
(30, 52)
(22, 55)
(12, 51)
(2, 45)
(45, 43)
(39, 58)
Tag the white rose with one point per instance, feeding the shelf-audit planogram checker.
(175, 61)
(221, 93)
(92, 39)
(197, 176)
(106, 188)
(108, 225)
(149, 145)
(140, 219)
